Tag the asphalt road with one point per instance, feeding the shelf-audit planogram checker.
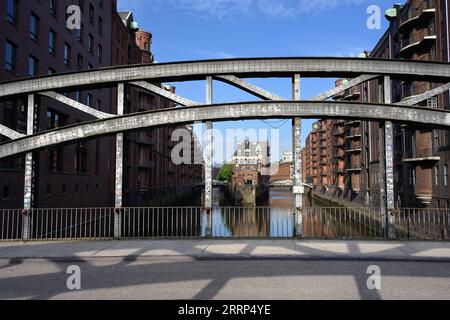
(187, 278)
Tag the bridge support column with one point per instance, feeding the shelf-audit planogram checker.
(119, 167)
(386, 146)
(297, 153)
(29, 172)
(208, 161)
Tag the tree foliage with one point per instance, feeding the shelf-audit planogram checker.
(225, 173)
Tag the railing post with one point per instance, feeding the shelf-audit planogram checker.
(298, 188)
(208, 161)
(28, 183)
(388, 165)
(119, 166)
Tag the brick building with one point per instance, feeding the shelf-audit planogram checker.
(36, 42)
(419, 30)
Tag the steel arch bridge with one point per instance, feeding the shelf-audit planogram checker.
(233, 72)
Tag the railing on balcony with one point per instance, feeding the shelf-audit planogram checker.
(427, 154)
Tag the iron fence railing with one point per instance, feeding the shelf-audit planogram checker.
(181, 222)
(422, 224)
(11, 225)
(252, 222)
(71, 224)
(342, 223)
(222, 222)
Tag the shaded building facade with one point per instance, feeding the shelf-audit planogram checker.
(36, 42)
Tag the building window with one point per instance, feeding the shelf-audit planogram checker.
(52, 42)
(432, 103)
(54, 120)
(100, 53)
(79, 33)
(446, 175)
(67, 49)
(436, 140)
(90, 66)
(10, 56)
(91, 43)
(78, 96)
(89, 100)
(100, 25)
(99, 105)
(80, 62)
(55, 159)
(48, 190)
(34, 27)
(81, 158)
(32, 66)
(51, 71)
(52, 7)
(11, 11)
(436, 176)
(91, 13)
(433, 55)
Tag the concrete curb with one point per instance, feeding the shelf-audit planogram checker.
(223, 257)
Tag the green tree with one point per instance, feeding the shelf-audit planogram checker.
(225, 173)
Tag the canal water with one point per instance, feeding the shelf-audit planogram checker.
(271, 219)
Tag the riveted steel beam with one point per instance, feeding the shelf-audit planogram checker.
(242, 68)
(164, 93)
(209, 148)
(119, 165)
(10, 133)
(228, 112)
(248, 87)
(347, 85)
(28, 181)
(76, 105)
(297, 153)
(411, 101)
(389, 162)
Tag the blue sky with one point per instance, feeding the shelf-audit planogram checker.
(210, 29)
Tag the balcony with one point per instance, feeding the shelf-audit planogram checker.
(323, 146)
(411, 19)
(352, 94)
(421, 155)
(353, 133)
(355, 169)
(409, 45)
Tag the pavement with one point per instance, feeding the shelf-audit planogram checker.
(225, 270)
(231, 249)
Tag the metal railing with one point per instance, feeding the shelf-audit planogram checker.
(422, 224)
(342, 223)
(252, 222)
(181, 222)
(71, 224)
(222, 222)
(11, 225)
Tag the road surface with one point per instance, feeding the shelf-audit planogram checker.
(213, 278)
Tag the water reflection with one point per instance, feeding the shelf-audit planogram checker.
(273, 220)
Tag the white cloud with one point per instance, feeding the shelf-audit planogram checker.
(229, 9)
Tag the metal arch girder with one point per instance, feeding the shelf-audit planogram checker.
(243, 68)
(413, 100)
(164, 93)
(248, 87)
(353, 82)
(76, 105)
(10, 133)
(227, 112)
